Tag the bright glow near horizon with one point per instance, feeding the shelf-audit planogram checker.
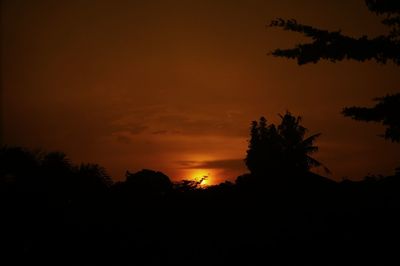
(174, 85)
(199, 174)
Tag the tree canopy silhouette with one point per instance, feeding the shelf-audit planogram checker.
(282, 148)
(148, 182)
(386, 111)
(334, 46)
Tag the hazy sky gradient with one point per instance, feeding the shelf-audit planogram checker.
(174, 85)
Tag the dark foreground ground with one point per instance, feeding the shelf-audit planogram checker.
(55, 214)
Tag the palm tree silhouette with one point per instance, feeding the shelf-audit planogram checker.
(296, 148)
(282, 148)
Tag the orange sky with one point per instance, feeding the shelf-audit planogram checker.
(173, 85)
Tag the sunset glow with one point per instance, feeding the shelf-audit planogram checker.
(200, 132)
(138, 84)
(206, 175)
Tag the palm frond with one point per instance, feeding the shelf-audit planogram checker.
(314, 163)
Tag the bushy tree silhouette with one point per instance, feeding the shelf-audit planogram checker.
(93, 180)
(264, 148)
(279, 149)
(148, 182)
(16, 164)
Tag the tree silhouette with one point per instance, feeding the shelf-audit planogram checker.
(263, 147)
(187, 185)
(297, 148)
(280, 149)
(55, 209)
(334, 46)
(148, 182)
(93, 177)
(16, 164)
(386, 111)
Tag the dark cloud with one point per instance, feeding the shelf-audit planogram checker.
(232, 164)
(160, 132)
(172, 120)
(137, 129)
(198, 123)
(123, 139)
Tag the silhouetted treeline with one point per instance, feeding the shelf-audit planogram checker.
(58, 213)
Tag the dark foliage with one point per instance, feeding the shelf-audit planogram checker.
(283, 148)
(149, 182)
(334, 46)
(54, 212)
(386, 111)
(188, 185)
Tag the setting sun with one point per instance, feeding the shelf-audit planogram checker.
(200, 132)
(201, 175)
